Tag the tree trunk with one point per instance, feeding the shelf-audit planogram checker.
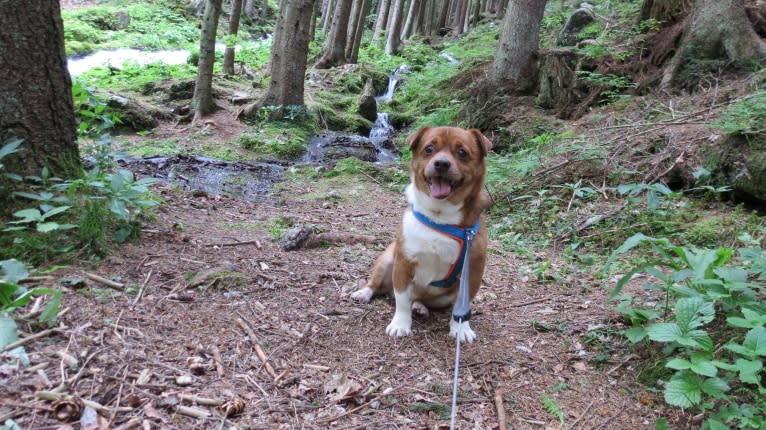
(443, 15)
(228, 55)
(202, 102)
(716, 34)
(335, 48)
(36, 90)
(353, 18)
(476, 13)
(519, 40)
(411, 18)
(667, 12)
(460, 8)
(366, 4)
(314, 14)
(327, 16)
(427, 22)
(394, 27)
(382, 21)
(289, 54)
(501, 7)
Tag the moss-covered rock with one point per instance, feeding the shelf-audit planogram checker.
(738, 161)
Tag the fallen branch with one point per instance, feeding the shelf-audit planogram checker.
(29, 338)
(192, 412)
(582, 415)
(104, 281)
(302, 236)
(53, 396)
(501, 425)
(258, 349)
(204, 401)
(247, 242)
(141, 290)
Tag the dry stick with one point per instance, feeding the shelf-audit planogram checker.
(258, 350)
(582, 415)
(132, 423)
(102, 280)
(141, 290)
(218, 360)
(204, 401)
(679, 159)
(53, 396)
(358, 408)
(247, 242)
(192, 412)
(531, 302)
(29, 338)
(500, 410)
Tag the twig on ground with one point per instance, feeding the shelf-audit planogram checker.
(53, 396)
(204, 401)
(104, 281)
(30, 338)
(531, 302)
(141, 290)
(358, 408)
(501, 425)
(218, 361)
(192, 412)
(258, 349)
(582, 415)
(246, 242)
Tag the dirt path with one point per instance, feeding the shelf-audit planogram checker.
(330, 363)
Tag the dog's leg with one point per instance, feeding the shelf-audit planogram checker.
(380, 279)
(401, 324)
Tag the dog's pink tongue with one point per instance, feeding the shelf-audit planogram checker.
(440, 189)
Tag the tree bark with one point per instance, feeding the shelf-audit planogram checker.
(36, 90)
(356, 8)
(289, 54)
(382, 21)
(335, 48)
(411, 18)
(228, 55)
(519, 40)
(501, 7)
(443, 15)
(476, 13)
(716, 33)
(202, 101)
(327, 11)
(457, 29)
(394, 28)
(366, 4)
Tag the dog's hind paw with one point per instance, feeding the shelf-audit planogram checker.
(462, 331)
(363, 295)
(420, 309)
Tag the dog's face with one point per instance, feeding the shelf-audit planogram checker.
(448, 162)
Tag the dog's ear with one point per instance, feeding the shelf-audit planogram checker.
(484, 144)
(414, 140)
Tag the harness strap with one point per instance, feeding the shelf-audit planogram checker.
(457, 233)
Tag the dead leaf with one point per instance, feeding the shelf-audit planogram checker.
(151, 412)
(580, 366)
(341, 387)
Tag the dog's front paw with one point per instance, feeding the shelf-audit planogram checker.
(461, 330)
(363, 295)
(399, 328)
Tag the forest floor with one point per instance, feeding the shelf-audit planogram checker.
(210, 308)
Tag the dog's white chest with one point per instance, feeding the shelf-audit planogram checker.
(434, 251)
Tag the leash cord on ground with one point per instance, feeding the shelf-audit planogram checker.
(453, 413)
(460, 314)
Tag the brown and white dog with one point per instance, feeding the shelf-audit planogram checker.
(445, 193)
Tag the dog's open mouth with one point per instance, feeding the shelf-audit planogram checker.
(441, 187)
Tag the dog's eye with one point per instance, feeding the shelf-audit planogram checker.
(429, 149)
(461, 153)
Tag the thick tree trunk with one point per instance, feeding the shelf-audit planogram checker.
(335, 49)
(327, 11)
(411, 18)
(394, 27)
(359, 32)
(36, 90)
(460, 8)
(228, 55)
(476, 13)
(289, 55)
(202, 102)
(501, 7)
(513, 66)
(424, 17)
(717, 33)
(443, 15)
(384, 7)
(666, 11)
(353, 18)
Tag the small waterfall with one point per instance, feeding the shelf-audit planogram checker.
(392, 81)
(379, 135)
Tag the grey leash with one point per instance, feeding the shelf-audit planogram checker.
(461, 313)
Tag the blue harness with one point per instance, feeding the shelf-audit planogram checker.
(461, 235)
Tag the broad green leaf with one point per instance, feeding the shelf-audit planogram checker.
(55, 211)
(732, 274)
(693, 312)
(683, 390)
(751, 319)
(51, 310)
(635, 334)
(679, 364)
(664, 332)
(13, 270)
(118, 208)
(30, 196)
(714, 387)
(716, 425)
(47, 227)
(701, 365)
(624, 281)
(748, 370)
(31, 214)
(7, 330)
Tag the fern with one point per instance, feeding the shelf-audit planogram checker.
(552, 407)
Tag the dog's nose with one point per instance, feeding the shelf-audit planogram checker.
(441, 164)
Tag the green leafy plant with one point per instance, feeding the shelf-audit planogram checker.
(746, 116)
(93, 116)
(711, 298)
(551, 406)
(654, 193)
(14, 296)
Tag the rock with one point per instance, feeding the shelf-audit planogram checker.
(574, 25)
(350, 147)
(366, 105)
(295, 237)
(123, 20)
(240, 98)
(740, 164)
(116, 101)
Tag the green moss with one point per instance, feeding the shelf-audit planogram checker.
(281, 139)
